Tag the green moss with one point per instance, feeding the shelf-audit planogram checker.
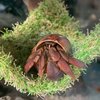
(50, 17)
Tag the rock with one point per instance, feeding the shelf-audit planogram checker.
(19, 98)
(7, 19)
(88, 13)
(11, 11)
(92, 76)
(5, 98)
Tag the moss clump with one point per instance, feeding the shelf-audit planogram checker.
(50, 17)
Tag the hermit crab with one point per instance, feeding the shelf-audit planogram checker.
(53, 57)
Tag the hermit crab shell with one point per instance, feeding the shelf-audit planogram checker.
(62, 41)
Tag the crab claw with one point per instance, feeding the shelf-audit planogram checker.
(53, 73)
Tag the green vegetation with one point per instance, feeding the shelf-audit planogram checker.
(15, 46)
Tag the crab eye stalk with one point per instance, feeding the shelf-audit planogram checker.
(52, 56)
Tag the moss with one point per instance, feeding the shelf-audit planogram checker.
(15, 46)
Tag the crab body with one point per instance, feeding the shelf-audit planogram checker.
(53, 56)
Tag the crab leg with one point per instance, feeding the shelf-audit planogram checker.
(33, 58)
(76, 62)
(72, 60)
(62, 64)
(64, 55)
(29, 63)
(42, 63)
(55, 56)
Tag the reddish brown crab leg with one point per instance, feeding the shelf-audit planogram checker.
(64, 55)
(37, 55)
(42, 63)
(55, 56)
(33, 58)
(62, 64)
(76, 62)
(72, 60)
(29, 62)
(28, 65)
